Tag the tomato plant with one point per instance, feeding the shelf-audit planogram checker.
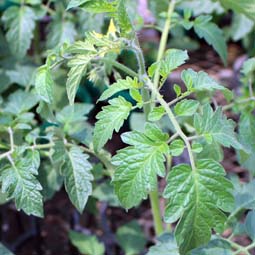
(47, 140)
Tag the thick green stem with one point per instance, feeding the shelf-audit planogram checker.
(163, 42)
(154, 195)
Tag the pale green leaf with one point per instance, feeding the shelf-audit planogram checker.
(78, 177)
(200, 208)
(186, 107)
(199, 81)
(156, 114)
(20, 183)
(20, 22)
(120, 85)
(247, 7)
(81, 47)
(197, 147)
(131, 238)
(60, 31)
(176, 147)
(110, 118)
(76, 3)
(4, 250)
(139, 164)
(123, 19)
(44, 84)
(212, 34)
(217, 126)
(166, 245)
(248, 66)
(250, 225)
(86, 244)
(99, 6)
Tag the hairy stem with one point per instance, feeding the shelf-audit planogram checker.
(163, 42)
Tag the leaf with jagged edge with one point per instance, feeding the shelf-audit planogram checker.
(20, 183)
(76, 3)
(247, 7)
(20, 22)
(212, 34)
(186, 107)
(110, 118)
(120, 85)
(214, 126)
(44, 84)
(60, 31)
(99, 6)
(198, 198)
(77, 177)
(138, 165)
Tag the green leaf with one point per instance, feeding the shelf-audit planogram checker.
(77, 71)
(120, 85)
(248, 66)
(20, 22)
(157, 113)
(139, 164)
(86, 244)
(186, 107)
(214, 247)
(76, 3)
(247, 7)
(76, 171)
(81, 47)
(199, 81)
(44, 84)
(173, 58)
(207, 194)
(166, 245)
(123, 19)
(110, 118)
(217, 126)
(4, 251)
(131, 238)
(177, 90)
(176, 147)
(212, 34)
(197, 147)
(99, 6)
(20, 101)
(59, 32)
(246, 135)
(250, 225)
(20, 183)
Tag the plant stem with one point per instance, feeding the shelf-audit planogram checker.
(241, 101)
(121, 67)
(154, 195)
(163, 42)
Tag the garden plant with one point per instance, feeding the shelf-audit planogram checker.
(49, 139)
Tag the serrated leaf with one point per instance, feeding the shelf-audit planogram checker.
(81, 47)
(4, 250)
(86, 244)
(250, 225)
(77, 71)
(131, 238)
(199, 81)
(156, 114)
(166, 245)
(217, 126)
(98, 6)
(177, 90)
(76, 171)
(120, 85)
(20, 22)
(246, 135)
(110, 118)
(186, 107)
(139, 164)
(76, 3)
(247, 7)
(173, 58)
(200, 208)
(20, 183)
(197, 147)
(60, 31)
(44, 84)
(20, 101)
(176, 147)
(212, 34)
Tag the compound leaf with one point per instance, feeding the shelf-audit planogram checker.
(109, 119)
(76, 171)
(207, 194)
(186, 107)
(139, 164)
(212, 34)
(20, 22)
